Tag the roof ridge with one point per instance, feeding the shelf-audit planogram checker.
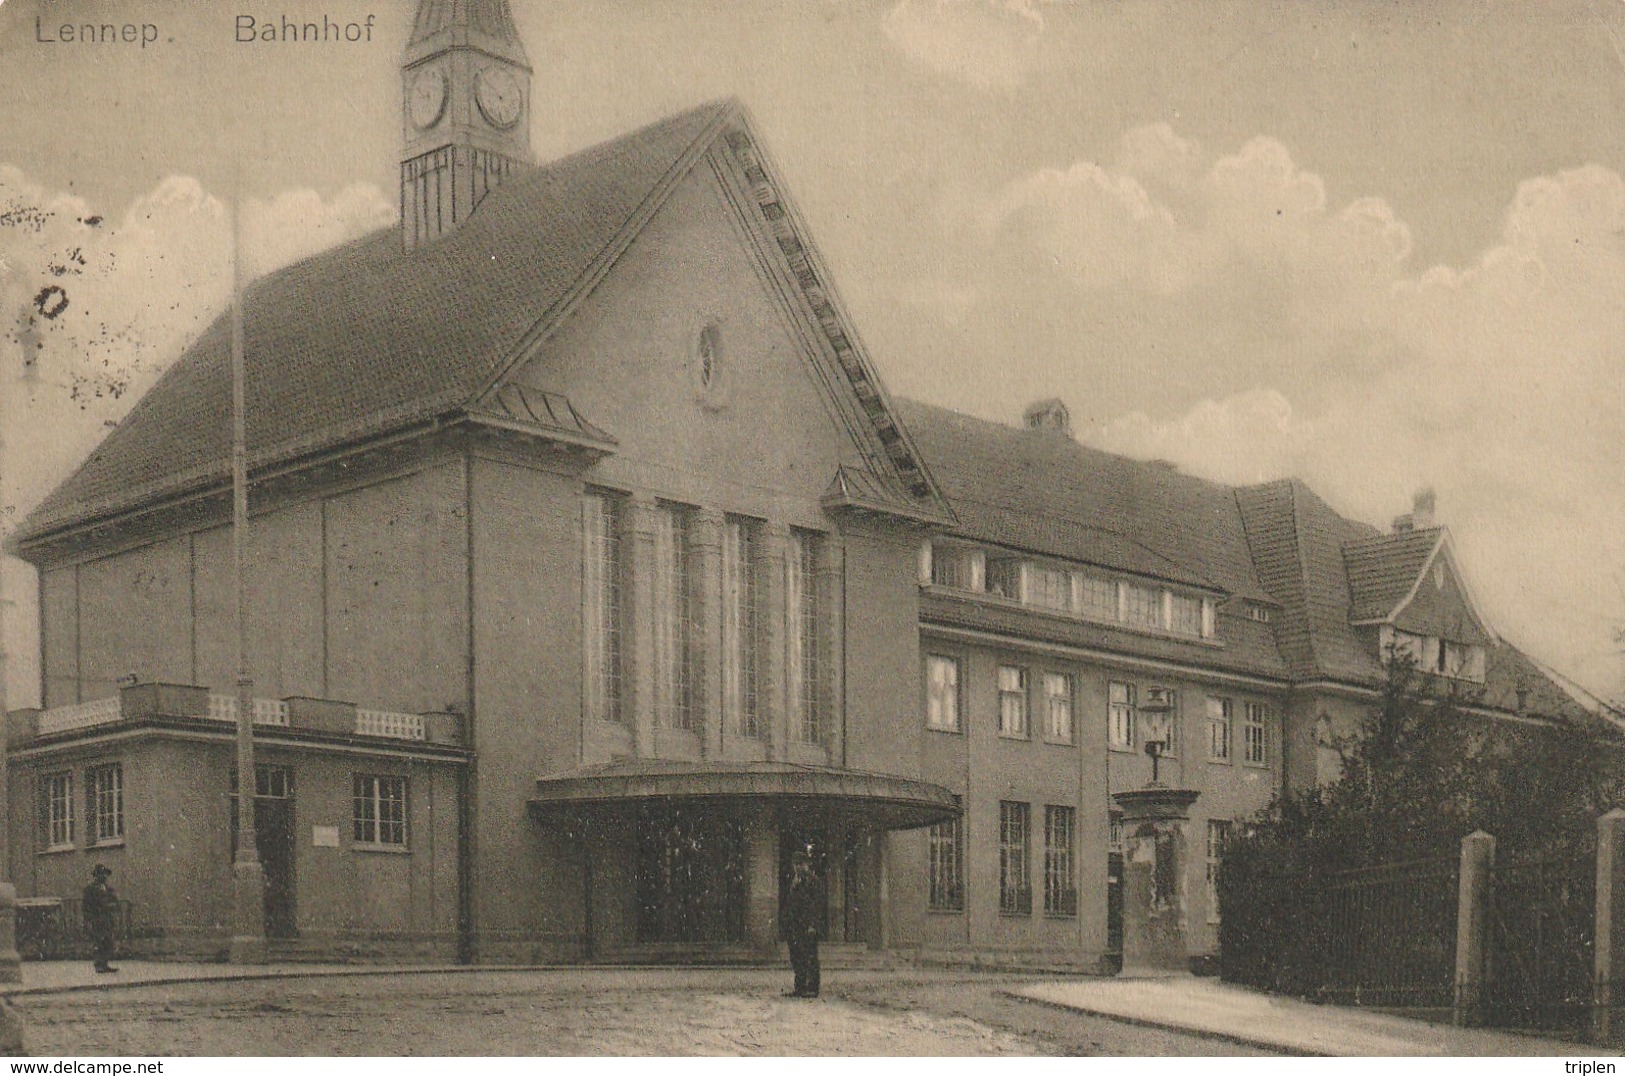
(1150, 466)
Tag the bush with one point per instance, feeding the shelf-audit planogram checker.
(1424, 772)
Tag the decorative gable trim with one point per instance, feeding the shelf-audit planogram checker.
(1442, 549)
(811, 279)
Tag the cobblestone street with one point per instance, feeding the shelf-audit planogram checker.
(578, 1012)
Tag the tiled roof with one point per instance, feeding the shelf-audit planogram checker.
(1384, 569)
(368, 336)
(1038, 490)
(1297, 541)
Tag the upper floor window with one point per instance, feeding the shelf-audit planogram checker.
(601, 574)
(1220, 717)
(1096, 597)
(104, 788)
(1120, 716)
(1012, 701)
(958, 566)
(1142, 606)
(739, 596)
(1431, 654)
(804, 672)
(1184, 614)
(672, 633)
(1461, 661)
(1089, 594)
(942, 693)
(1254, 733)
(1004, 577)
(1058, 707)
(1049, 588)
(56, 811)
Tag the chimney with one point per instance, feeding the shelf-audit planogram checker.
(1422, 508)
(1048, 414)
(1421, 515)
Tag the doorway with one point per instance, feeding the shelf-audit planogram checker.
(690, 877)
(273, 835)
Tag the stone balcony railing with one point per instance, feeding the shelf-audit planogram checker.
(145, 701)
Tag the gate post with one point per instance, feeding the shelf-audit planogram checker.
(1610, 927)
(1472, 917)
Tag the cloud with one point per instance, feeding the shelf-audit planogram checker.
(990, 44)
(1499, 383)
(94, 305)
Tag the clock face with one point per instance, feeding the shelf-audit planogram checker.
(426, 100)
(499, 95)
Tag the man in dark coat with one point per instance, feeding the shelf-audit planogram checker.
(801, 928)
(101, 915)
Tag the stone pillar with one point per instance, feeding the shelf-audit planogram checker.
(1609, 984)
(705, 547)
(637, 623)
(1472, 916)
(772, 709)
(762, 883)
(1155, 857)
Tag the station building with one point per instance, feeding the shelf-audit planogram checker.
(594, 575)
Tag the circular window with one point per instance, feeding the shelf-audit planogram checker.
(710, 368)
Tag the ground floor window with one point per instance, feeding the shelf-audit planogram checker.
(947, 866)
(56, 810)
(1015, 886)
(1218, 832)
(380, 810)
(105, 788)
(1060, 889)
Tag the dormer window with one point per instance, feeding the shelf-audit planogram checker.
(1087, 594)
(1436, 656)
(1260, 613)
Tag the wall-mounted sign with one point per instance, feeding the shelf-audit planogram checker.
(324, 836)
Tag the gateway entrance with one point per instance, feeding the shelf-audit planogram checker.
(690, 876)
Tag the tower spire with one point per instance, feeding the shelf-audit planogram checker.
(465, 81)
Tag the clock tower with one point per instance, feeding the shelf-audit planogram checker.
(465, 112)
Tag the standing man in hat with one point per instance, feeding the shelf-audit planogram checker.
(801, 925)
(101, 915)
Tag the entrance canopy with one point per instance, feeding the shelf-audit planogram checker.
(880, 800)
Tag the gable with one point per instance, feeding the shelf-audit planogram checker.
(1440, 606)
(692, 352)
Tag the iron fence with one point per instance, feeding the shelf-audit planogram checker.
(1390, 934)
(1540, 943)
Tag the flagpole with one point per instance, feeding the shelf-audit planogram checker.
(11, 967)
(248, 876)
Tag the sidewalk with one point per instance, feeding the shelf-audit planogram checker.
(1209, 1007)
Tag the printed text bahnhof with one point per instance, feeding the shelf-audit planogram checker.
(247, 29)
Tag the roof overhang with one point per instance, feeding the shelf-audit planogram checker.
(885, 801)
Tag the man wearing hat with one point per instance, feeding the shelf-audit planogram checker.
(802, 918)
(101, 913)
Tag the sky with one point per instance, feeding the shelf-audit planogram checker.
(1374, 245)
